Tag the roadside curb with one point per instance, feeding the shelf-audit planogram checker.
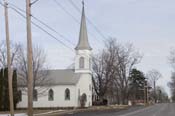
(101, 108)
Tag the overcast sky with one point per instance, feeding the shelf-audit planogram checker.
(148, 24)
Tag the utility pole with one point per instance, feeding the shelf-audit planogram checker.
(8, 59)
(145, 93)
(147, 89)
(155, 96)
(29, 58)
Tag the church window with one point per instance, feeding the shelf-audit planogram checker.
(67, 94)
(90, 63)
(78, 94)
(81, 62)
(84, 97)
(90, 87)
(35, 95)
(20, 95)
(51, 95)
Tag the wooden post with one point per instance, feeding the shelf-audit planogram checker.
(147, 90)
(29, 58)
(9, 60)
(155, 96)
(145, 93)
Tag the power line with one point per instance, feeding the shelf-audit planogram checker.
(36, 25)
(62, 7)
(90, 22)
(67, 12)
(15, 9)
(34, 2)
(41, 28)
(53, 30)
(43, 23)
(74, 6)
(19, 13)
(51, 35)
(95, 27)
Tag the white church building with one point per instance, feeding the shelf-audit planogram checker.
(69, 85)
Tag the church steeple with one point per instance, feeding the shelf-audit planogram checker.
(83, 43)
(83, 49)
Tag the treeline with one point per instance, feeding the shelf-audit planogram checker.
(4, 91)
(111, 71)
(116, 79)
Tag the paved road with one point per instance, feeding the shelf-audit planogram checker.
(166, 109)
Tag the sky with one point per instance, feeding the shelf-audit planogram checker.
(147, 24)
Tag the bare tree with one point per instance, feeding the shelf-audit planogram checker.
(102, 69)
(162, 95)
(127, 59)
(112, 69)
(153, 76)
(40, 70)
(172, 58)
(172, 82)
(19, 62)
(14, 54)
(99, 80)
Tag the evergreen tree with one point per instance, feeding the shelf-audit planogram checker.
(15, 90)
(1, 89)
(137, 80)
(4, 91)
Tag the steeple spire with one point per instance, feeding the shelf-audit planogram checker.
(83, 43)
(83, 3)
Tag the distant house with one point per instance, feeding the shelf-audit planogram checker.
(67, 87)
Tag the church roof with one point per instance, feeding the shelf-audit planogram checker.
(63, 77)
(55, 77)
(83, 43)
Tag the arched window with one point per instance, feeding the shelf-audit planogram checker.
(90, 63)
(84, 97)
(83, 100)
(67, 94)
(90, 87)
(20, 95)
(81, 62)
(35, 95)
(51, 95)
(78, 94)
